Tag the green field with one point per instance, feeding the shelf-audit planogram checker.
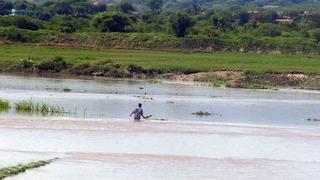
(168, 61)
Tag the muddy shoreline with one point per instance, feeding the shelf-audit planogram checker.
(226, 78)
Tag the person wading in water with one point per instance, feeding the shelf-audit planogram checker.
(138, 113)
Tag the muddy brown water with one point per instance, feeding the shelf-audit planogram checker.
(252, 134)
(115, 99)
(121, 150)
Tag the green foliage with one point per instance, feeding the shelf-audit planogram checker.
(112, 22)
(155, 5)
(4, 105)
(38, 108)
(315, 34)
(17, 35)
(5, 7)
(180, 23)
(229, 25)
(68, 24)
(266, 16)
(268, 29)
(222, 20)
(14, 170)
(244, 17)
(126, 7)
(313, 20)
(166, 61)
(54, 65)
(22, 5)
(23, 22)
(83, 8)
(104, 68)
(26, 65)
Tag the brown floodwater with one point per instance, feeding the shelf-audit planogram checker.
(160, 150)
(251, 134)
(114, 99)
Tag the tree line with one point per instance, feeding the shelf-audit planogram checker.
(235, 23)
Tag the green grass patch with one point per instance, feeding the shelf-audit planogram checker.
(166, 61)
(14, 170)
(38, 108)
(4, 105)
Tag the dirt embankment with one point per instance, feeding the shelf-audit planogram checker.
(240, 79)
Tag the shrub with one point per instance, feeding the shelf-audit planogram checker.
(68, 24)
(23, 22)
(54, 65)
(315, 34)
(84, 69)
(180, 23)
(268, 29)
(135, 69)
(24, 65)
(112, 22)
(31, 107)
(118, 73)
(4, 105)
(15, 34)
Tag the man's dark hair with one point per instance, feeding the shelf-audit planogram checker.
(140, 104)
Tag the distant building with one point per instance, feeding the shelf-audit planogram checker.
(253, 14)
(16, 12)
(284, 20)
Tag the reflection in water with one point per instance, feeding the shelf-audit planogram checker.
(107, 99)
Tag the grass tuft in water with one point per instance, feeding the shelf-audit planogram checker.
(14, 170)
(4, 105)
(40, 108)
(67, 89)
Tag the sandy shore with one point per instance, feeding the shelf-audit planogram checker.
(159, 150)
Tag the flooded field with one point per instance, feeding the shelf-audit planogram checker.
(114, 99)
(161, 150)
(250, 134)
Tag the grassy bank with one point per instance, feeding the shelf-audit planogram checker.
(242, 70)
(14, 170)
(167, 61)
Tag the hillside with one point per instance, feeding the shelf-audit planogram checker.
(186, 4)
(247, 3)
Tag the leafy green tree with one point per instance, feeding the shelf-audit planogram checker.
(222, 20)
(24, 5)
(155, 5)
(83, 9)
(243, 17)
(196, 7)
(5, 7)
(267, 16)
(126, 7)
(315, 34)
(269, 29)
(314, 20)
(101, 7)
(112, 22)
(180, 23)
(68, 24)
(23, 22)
(61, 7)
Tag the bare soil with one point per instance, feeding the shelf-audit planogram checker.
(240, 79)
